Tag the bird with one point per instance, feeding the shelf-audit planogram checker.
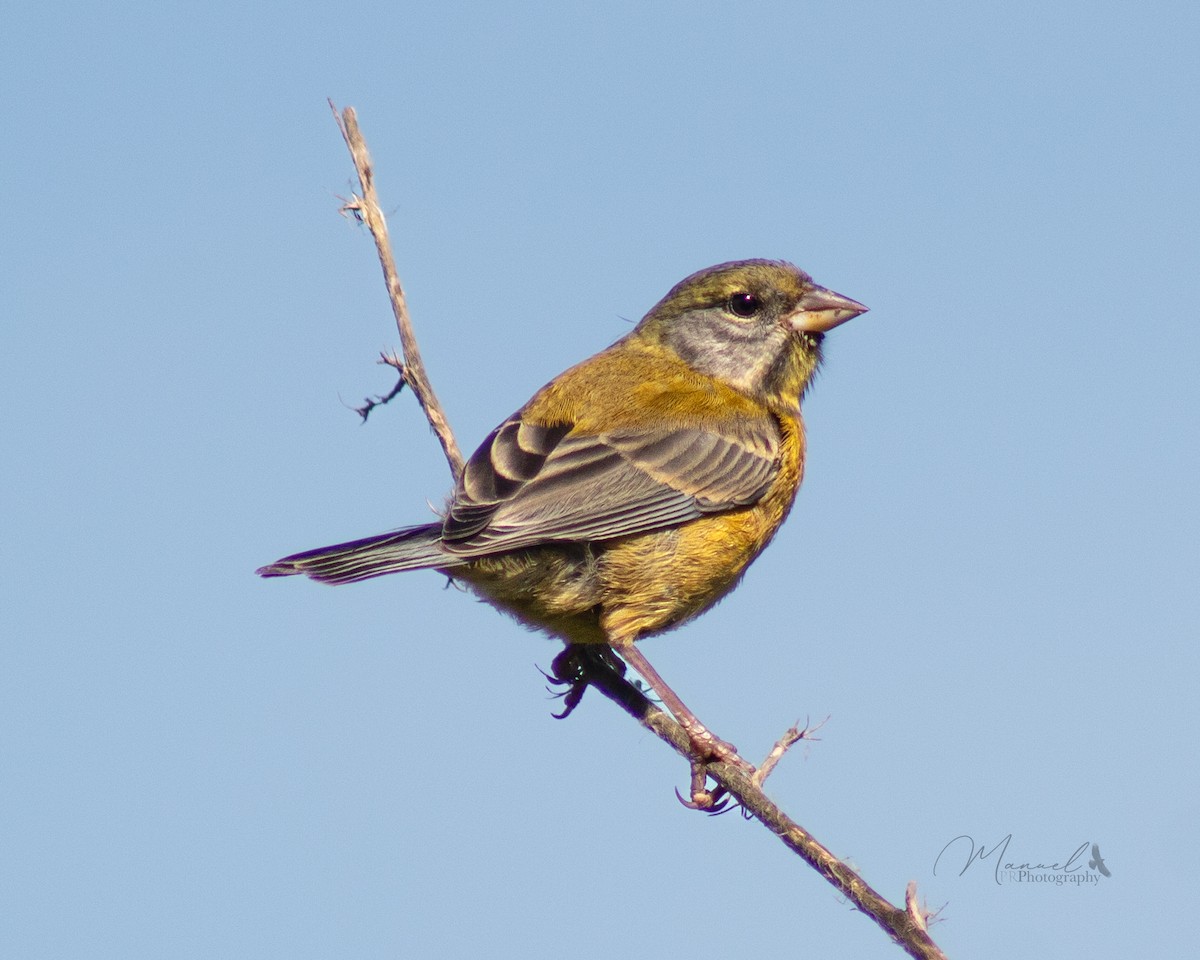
(631, 493)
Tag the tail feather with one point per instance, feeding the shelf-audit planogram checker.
(413, 548)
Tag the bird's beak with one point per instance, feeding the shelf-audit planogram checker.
(821, 310)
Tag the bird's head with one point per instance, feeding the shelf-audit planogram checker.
(756, 325)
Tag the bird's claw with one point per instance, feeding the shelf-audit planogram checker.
(572, 692)
(712, 802)
(571, 670)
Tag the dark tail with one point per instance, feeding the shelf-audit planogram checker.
(413, 548)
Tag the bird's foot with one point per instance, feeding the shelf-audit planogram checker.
(572, 670)
(707, 744)
(715, 750)
(709, 801)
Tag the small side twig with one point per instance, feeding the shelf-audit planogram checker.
(370, 403)
(920, 913)
(368, 210)
(790, 738)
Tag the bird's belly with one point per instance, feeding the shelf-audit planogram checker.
(657, 581)
(555, 588)
(624, 589)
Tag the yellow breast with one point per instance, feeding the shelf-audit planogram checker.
(654, 581)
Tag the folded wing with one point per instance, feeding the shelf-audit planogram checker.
(530, 483)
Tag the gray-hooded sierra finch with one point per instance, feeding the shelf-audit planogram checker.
(632, 491)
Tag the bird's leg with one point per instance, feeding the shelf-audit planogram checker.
(707, 743)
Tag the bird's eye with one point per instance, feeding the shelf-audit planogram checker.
(744, 305)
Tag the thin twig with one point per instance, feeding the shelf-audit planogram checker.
(370, 403)
(368, 210)
(790, 738)
(913, 908)
(905, 925)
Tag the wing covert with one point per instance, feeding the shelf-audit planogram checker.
(529, 484)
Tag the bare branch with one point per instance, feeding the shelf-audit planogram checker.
(905, 926)
(367, 209)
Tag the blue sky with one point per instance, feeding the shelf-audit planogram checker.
(989, 580)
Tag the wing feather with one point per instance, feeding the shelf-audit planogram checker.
(529, 484)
